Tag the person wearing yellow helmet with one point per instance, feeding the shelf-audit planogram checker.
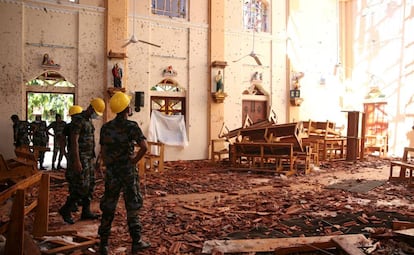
(80, 171)
(75, 109)
(98, 105)
(118, 139)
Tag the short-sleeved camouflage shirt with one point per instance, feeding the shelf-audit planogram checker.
(39, 130)
(118, 137)
(82, 125)
(21, 130)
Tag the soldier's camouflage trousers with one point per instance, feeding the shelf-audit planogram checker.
(121, 178)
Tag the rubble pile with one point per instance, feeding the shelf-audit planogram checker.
(192, 202)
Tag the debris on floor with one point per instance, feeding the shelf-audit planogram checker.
(199, 207)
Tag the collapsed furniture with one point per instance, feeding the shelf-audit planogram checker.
(30, 192)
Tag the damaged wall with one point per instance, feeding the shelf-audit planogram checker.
(73, 38)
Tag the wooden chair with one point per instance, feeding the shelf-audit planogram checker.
(406, 167)
(153, 160)
(376, 143)
(219, 149)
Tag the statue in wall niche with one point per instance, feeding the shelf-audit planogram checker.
(47, 61)
(169, 72)
(257, 77)
(117, 73)
(219, 82)
(296, 76)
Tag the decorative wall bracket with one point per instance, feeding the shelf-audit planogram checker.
(111, 91)
(297, 101)
(120, 55)
(219, 96)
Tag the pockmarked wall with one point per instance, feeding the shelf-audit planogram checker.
(73, 37)
(184, 46)
(271, 49)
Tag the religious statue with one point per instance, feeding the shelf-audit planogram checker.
(219, 82)
(117, 73)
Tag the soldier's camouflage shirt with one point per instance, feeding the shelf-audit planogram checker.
(118, 137)
(82, 125)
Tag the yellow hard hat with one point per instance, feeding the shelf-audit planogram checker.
(98, 105)
(119, 101)
(75, 109)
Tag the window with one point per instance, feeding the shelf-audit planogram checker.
(255, 15)
(168, 105)
(170, 8)
(168, 97)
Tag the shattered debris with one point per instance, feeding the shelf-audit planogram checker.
(193, 203)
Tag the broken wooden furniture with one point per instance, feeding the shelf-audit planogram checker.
(16, 170)
(219, 149)
(280, 144)
(234, 135)
(350, 244)
(22, 205)
(29, 154)
(259, 154)
(406, 167)
(153, 159)
(331, 145)
(376, 143)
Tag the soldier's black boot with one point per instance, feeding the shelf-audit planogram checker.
(139, 246)
(65, 212)
(103, 246)
(86, 211)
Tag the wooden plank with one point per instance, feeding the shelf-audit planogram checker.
(350, 244)
(293, 244)
(399, 225)
(72, 247)
(25, 183)
(15, 231)
(406, 232)
(40, 226)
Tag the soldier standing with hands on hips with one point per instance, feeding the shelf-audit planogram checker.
(118, 138)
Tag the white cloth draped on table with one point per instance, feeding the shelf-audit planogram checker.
(168, 129)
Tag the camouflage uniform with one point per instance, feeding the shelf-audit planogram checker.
(117, 138)
(81, 185)
(21, 133)
(40, 138)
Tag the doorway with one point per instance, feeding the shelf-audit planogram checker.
(256, 110)
(49, 94)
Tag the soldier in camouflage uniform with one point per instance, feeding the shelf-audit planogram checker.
(117, 139)
(58, 125)
(39, 137)
(20, 131)
(80, 171)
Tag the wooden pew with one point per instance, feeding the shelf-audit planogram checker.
(15, 170)
(287, 133)
(277, 154)
(330, 144)
(14, 229)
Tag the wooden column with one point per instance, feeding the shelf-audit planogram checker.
(216, 42)
(353, 139)
(116, 37)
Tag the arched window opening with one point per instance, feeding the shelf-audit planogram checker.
(49, 94)
(168, 97)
